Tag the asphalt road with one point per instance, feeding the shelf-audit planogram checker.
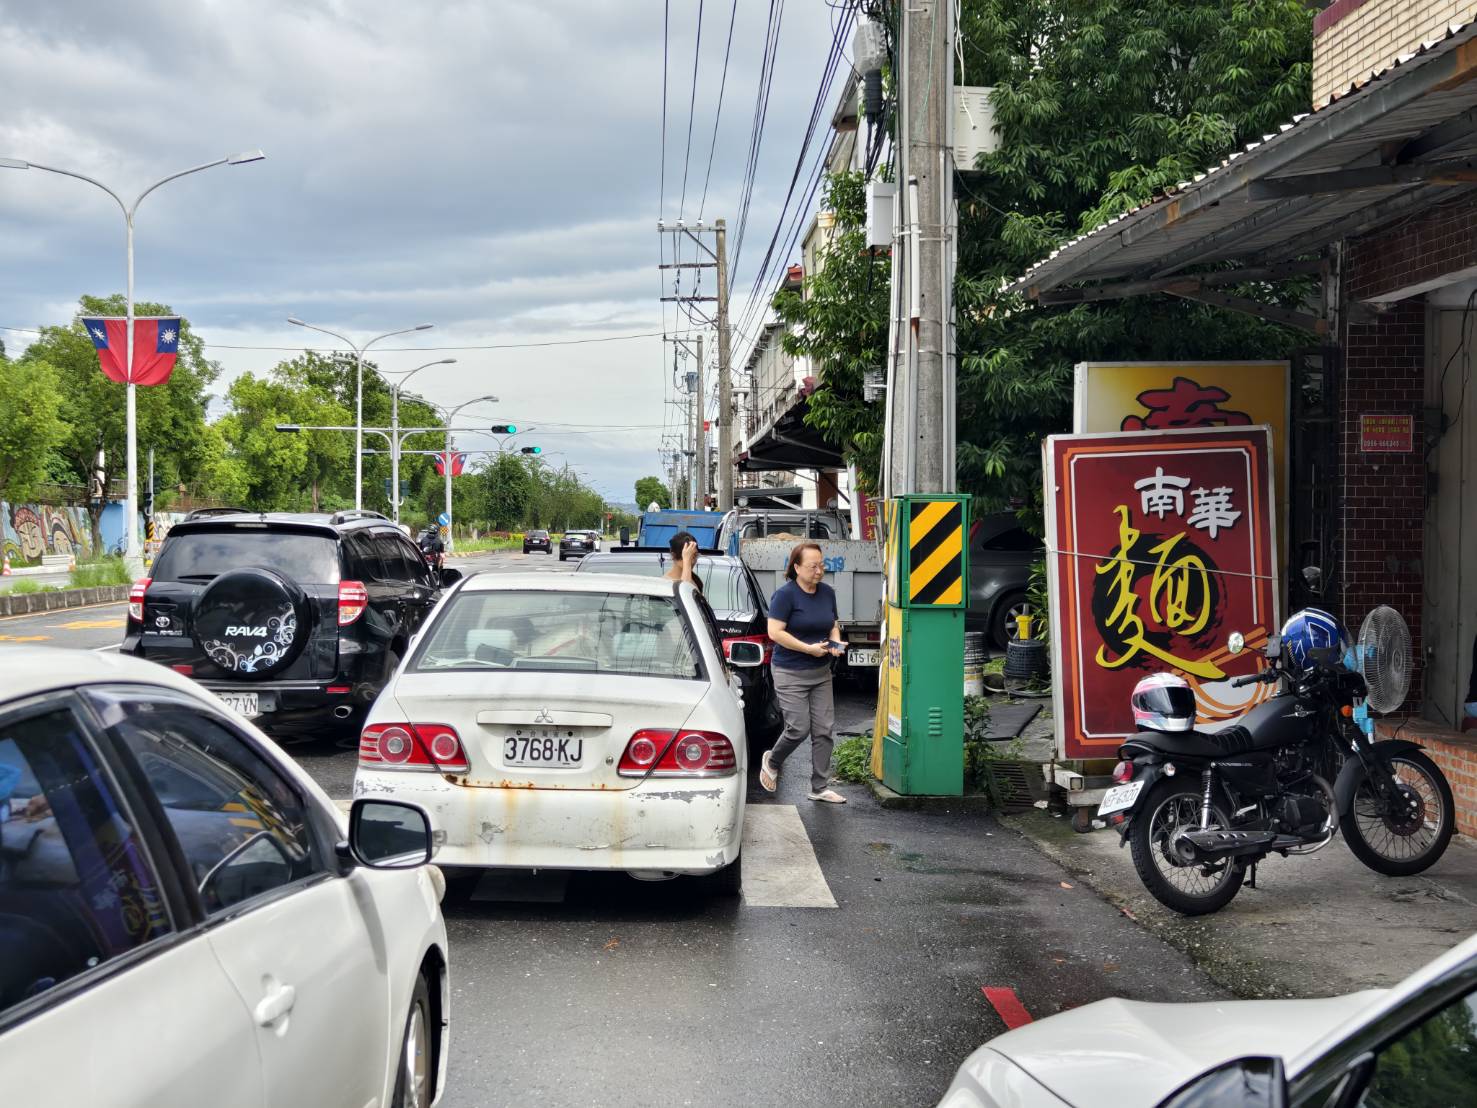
(598, 989)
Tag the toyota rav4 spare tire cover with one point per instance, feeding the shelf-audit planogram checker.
(251, 622)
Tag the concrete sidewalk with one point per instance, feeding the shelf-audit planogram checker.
(1316, 925)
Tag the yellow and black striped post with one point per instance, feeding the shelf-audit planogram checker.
(936, 553)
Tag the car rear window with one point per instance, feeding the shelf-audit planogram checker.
(558, 631)
(204, 555)
(725, 586)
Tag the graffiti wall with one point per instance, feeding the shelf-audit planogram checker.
(29, 531)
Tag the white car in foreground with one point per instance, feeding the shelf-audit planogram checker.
(1413, 1045)
(186, 918)
(582, 722)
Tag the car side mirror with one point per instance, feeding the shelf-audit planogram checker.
(450, 577)
(1257, 1081)
(745, 654)
(386, 834)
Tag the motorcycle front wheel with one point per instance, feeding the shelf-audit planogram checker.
(1402, 835)
(1192, 889)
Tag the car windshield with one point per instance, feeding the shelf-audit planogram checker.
(203, 555)
(724, 584)
(588, 632)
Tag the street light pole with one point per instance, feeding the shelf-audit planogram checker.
(133, 555)
(359, 392)
(395, 432)
(450, 420)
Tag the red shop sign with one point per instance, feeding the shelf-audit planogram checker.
(1387, 434)
(1160, 545)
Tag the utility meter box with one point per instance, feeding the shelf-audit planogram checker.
(975, 132)
(922, 695)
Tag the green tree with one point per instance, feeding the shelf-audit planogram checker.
(30, 428)
(650, 489)
(171, 416)
(1098, 103)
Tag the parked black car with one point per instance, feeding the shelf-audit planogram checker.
(1001, 554)
(740, 610)
(298, 620)
(576, 544)
(537, 540)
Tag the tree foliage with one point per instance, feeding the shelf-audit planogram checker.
(30, 398)
(1099, 105)
(649, 489)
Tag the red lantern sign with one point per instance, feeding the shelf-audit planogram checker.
(1160, 543)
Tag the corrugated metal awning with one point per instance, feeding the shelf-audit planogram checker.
(1402, 141)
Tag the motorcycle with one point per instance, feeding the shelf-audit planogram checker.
(1200, 810)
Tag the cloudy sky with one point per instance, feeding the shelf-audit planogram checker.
(489, 166)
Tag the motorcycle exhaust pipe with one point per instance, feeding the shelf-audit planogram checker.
(343, 711)
(1216, 845)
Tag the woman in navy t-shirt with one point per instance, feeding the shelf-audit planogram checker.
(807, 635)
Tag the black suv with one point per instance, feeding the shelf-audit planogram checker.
(537, 540)
(296, 619)
(576, 544)
(739, 608)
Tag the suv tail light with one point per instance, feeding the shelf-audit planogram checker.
(136, 598)
(353, 598)
(763, 640)
(416, 746)
(678, 754)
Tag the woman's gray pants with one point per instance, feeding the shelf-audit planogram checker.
(809, 708)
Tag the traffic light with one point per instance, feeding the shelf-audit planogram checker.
(532, 450)
(504, 429)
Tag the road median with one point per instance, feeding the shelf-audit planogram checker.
(55, 600)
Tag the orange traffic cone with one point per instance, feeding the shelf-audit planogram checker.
(5, 569)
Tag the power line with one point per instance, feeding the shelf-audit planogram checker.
(666, 25)
(697, 52)
(718, 117)
(756, 132)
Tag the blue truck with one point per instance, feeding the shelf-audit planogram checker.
(657, 528)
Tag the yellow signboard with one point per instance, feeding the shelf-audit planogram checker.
(1168, 396)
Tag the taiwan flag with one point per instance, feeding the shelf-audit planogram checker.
(155, 347)
(458, 464)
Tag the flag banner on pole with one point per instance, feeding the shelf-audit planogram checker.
(155, 347)
(458, 464)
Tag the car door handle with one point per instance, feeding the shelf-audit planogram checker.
(275, 1005)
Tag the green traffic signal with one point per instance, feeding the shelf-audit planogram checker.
(504, 429)
(533, 450)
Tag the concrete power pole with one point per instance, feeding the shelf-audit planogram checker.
(725, 376)
(921, 410)
(699, 437)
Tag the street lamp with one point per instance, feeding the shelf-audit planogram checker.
(132, 554)
(395, 432)
(359, 392)
(450, 418)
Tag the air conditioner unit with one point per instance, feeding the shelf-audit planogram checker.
(974, 125)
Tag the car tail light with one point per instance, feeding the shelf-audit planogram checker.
(763, 640)
(1123, 772)
(688, 754)
(353, 598)
(136, 598)
(417, 746)
(184, 667)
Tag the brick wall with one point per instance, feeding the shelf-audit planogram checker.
(1436, 243)
(1454, 753)
(1354, 38)
(1383, 494)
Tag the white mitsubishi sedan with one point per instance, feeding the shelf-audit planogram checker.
(583, 722)
(185, 917)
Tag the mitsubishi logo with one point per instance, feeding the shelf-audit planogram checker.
(543, 716)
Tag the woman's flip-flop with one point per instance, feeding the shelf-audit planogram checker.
(828, 796)
(768, 776)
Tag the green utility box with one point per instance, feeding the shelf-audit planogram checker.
(921, 699)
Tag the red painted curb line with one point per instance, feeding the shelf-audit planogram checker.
(1008, 1005)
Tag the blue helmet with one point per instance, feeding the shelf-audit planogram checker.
(1309, 630)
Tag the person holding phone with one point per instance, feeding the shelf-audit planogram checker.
(684, 560)
(807, 635)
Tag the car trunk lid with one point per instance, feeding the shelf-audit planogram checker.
(541, 730)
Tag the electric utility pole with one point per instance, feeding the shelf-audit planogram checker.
(920, 395)
(717, 256)
(695, 383)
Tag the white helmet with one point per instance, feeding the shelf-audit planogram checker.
(1163, 702)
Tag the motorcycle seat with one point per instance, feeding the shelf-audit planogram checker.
(1225, 743)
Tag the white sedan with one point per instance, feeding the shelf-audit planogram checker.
(583, 722)
(1415, 1044)
(184, 902)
